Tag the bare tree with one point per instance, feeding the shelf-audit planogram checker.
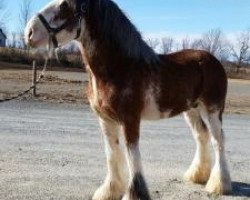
(186, 43)
(3, 15)
(153, 42)
(14, 40)
(196, 44)
(241, 50)
(1, 10)
(167, 44)
(214, 42)
(24, 16)
(211, 41)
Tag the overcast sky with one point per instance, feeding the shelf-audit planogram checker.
(169, 17)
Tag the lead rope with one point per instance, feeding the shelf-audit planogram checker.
(38, 81)
(31, 87)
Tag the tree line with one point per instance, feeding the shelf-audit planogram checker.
(237, 51)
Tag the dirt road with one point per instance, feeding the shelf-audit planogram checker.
(54, 151)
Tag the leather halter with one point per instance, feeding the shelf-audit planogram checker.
(81, 10)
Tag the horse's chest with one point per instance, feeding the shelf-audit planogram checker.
(100, 100)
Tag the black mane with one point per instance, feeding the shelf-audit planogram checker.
(117, 33)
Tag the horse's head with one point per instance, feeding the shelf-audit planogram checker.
(61, 21)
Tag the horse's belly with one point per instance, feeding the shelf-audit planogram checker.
(151, 109)
(155, 115)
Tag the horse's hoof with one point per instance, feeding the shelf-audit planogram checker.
(219, 186)
(197, 174)
(109, 191)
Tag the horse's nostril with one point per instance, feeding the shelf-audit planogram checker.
(30, 33)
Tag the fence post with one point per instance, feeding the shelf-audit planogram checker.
(34, 78)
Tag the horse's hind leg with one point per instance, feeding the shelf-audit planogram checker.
(114, 185)
(199, 170)
(219, 181)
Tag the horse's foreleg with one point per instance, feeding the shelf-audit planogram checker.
(114, 186)
(219, 181)
(137, 186)
(199, 170)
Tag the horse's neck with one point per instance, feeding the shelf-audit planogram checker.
(103, 65)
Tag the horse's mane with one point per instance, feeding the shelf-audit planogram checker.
(117, 33)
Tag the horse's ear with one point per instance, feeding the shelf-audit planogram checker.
(82, 6)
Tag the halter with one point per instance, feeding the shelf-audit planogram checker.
(81, 11)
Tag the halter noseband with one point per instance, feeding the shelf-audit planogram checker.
(81, 10)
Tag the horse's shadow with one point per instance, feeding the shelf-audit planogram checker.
(241, 189)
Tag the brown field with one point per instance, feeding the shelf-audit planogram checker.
(68, 86)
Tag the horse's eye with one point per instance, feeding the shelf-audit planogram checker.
(64, 6)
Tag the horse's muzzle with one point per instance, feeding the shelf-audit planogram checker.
(35, 34)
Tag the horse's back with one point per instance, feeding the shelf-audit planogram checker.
(196, 75)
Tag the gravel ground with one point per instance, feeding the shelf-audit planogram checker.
(54, 151)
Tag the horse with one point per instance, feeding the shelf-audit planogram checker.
(129, 82)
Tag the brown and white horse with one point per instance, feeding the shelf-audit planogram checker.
(130, 82)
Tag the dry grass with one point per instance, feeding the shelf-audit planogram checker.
(243, 73)
(20, 57)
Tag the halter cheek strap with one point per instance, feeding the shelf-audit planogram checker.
(51, 31)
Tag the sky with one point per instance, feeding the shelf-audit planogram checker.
(175, 18)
